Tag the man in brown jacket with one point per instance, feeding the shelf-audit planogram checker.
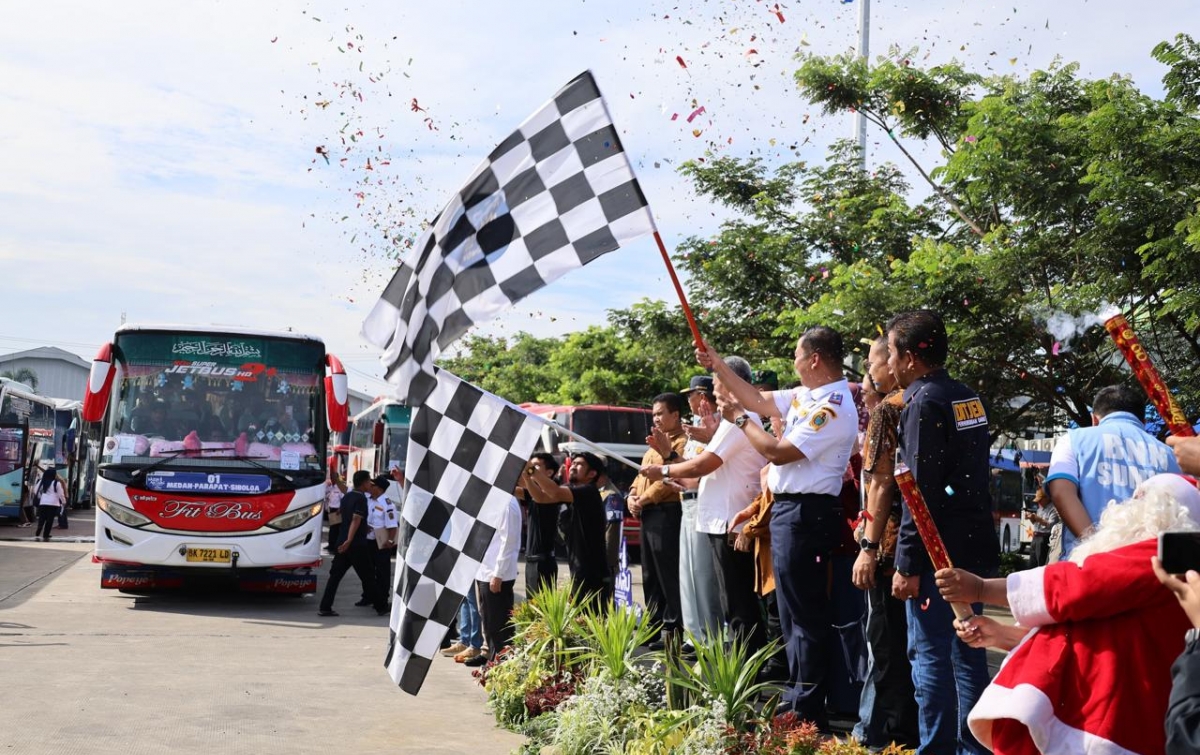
(657, 505)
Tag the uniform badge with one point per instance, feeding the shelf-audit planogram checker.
(969, 413)
(835, 398)
(820, 418)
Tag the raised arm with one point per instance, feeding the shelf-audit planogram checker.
(747, 395)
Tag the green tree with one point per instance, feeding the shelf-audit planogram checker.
(23, 375)
(1053, 194)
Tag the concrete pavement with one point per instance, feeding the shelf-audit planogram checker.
(95, 671)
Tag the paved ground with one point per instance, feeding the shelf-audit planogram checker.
(94, 671)
(196, 673)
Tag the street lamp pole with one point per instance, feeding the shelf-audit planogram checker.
(864, 47)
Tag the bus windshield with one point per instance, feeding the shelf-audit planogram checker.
(230, 400)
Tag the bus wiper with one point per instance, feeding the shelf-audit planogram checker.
(254, 460)
(172, 455)
(169, 456)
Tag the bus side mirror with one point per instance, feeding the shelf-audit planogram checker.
(377, 433)
(99, 387)
(337, 398)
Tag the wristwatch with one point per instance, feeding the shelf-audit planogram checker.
(867, 545)
(741, 421)
(666, 471)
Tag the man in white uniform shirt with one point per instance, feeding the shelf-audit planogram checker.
(728, 469)
(805, 477)
(383, 529)
(494, 584)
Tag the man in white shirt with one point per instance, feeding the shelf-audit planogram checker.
(494, 584)
(729, 469)
(807, 466)
(383, 529)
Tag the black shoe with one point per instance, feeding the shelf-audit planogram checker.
(364, 602)
(324, 612)
(479, 660)
(385, 610)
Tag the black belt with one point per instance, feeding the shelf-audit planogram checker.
(807, 497)
(690, 496)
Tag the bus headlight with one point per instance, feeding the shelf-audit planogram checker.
(122, 514)
(296, 518)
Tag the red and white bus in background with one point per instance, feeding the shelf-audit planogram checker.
(213, 456)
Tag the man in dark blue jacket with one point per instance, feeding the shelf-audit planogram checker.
(944, 441)
(355, 551)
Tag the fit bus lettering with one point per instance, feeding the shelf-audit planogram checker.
(220, 510)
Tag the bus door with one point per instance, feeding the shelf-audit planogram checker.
(12, 468)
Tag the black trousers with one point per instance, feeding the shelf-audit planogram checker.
(660, 563)
(735, 585)
(888, 710)
(45, 520)
(383, 571)
(495, 613)
(776, 667)
(359, 558)
(803, 535)
(540, 572)
(1040, 548)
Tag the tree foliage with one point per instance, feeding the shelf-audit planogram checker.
(24, 375)
(1049, 198)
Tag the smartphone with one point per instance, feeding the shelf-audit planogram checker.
(1179, 551)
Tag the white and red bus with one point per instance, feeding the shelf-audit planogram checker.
(212, 463)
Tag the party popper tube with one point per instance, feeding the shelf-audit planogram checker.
(1131, 348)
(917, 508)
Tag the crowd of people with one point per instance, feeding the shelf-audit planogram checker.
(743, 509)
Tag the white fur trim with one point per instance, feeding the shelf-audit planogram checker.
(1027, 597)
(1027, 704)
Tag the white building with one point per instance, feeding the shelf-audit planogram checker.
(60, 374)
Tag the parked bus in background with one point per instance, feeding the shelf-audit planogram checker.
(1015, 477)
(26, 441)
(75, 465)
(213, 458)
(379, 438)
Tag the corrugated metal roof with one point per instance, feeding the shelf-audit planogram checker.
(46, 352)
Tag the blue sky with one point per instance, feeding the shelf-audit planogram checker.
(160, 158)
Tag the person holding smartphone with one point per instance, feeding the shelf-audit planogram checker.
(1095, 637)
(1183, 709)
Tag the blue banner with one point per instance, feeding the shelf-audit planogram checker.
(204, 482)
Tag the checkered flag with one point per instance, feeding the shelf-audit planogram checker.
(555, 195)
(468, 449)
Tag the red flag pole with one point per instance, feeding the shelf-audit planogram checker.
(687, 311)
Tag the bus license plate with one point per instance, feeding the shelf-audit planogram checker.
(209, 555)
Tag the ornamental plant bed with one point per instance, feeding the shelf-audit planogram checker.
(578, 683)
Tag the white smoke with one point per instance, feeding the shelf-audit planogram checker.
(1066, 327)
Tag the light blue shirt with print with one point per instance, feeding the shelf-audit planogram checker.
(1107, 462)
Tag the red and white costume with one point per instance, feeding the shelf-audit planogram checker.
(1095, 674)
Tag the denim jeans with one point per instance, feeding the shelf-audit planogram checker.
(948, 675)
(470, 623)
